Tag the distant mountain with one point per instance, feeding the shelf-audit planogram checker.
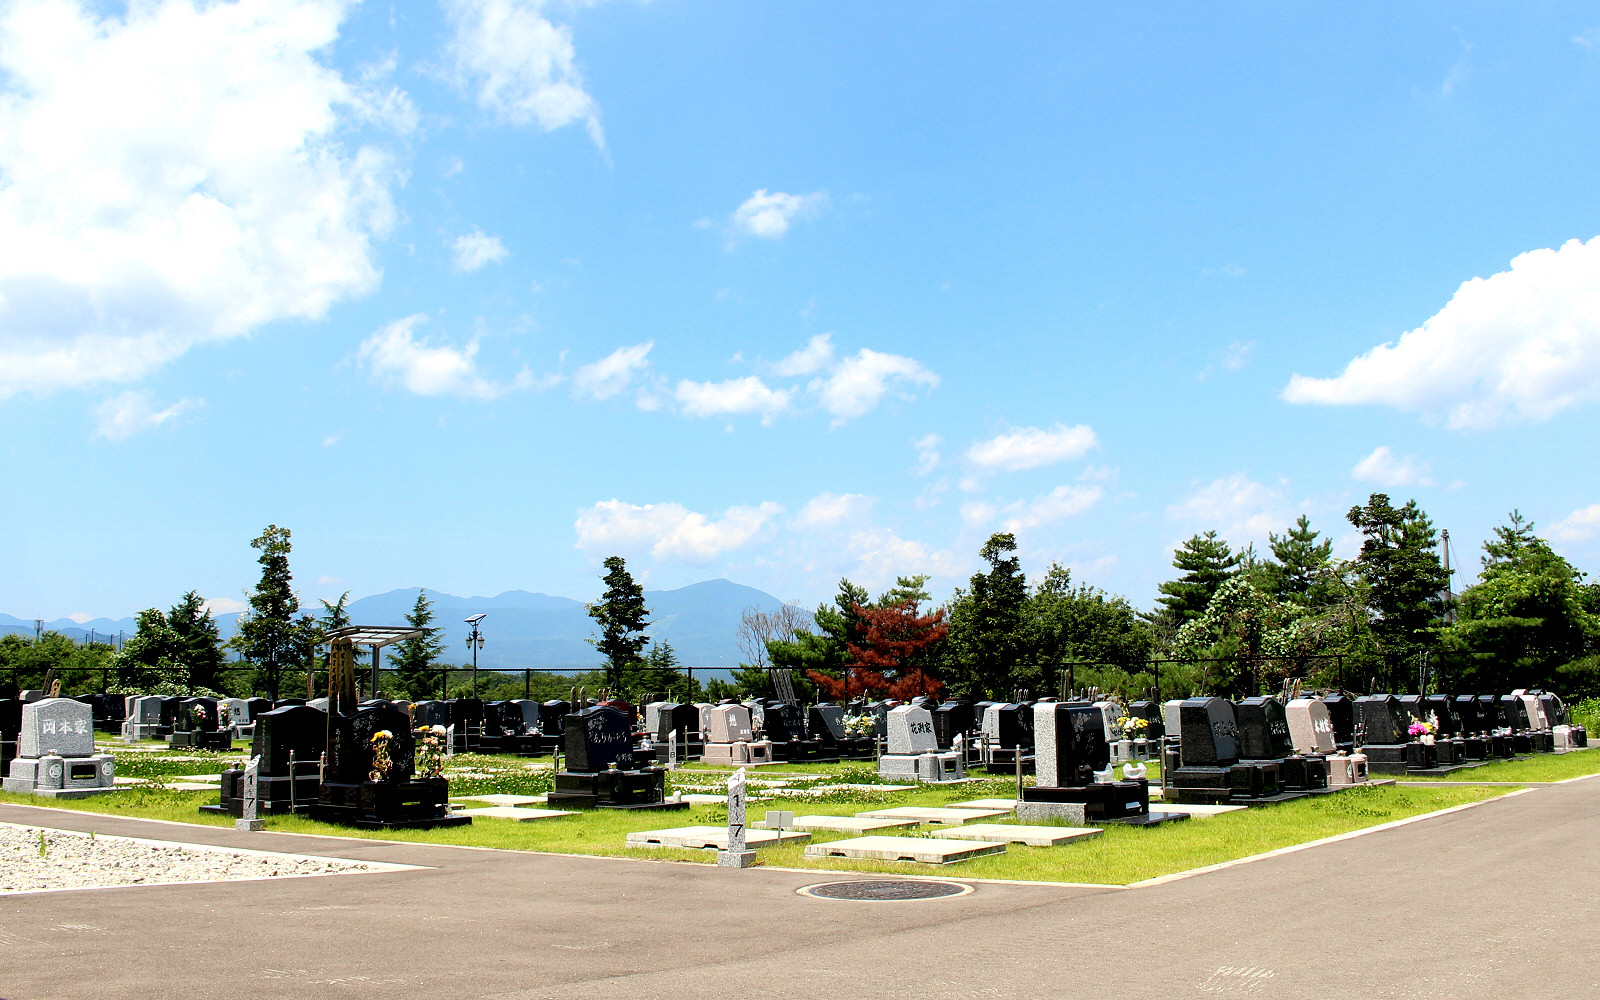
(523, 629)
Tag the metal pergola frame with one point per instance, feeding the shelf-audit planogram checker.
(374, 637)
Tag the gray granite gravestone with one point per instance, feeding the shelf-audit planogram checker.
(1310, 726)
(914, 749)
(55, 752)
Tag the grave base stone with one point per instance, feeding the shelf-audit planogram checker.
(1080, 804)
(643, 789)
(927, 767)
(418, 804)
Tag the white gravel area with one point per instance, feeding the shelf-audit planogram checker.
(74, 860)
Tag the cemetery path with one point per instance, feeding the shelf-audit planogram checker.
(1492, 901)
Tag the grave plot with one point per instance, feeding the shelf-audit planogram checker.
(35, 860)
(712, 838)
(924, 850)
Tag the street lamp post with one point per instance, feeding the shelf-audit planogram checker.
(475, 643)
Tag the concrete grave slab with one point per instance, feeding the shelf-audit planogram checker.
(1198, 810)
(511, 812)
(505, 800)
(1008, 833)
(847, 824)
(712, 837)
(930, 814)
(924, 850)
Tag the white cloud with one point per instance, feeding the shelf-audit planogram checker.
(523, 66)
(475, 249)
(127, 414)
(669, 530)
(734, 396)
(882, 555)
(858, 383)
(395, 356)
(1383, 468)
(176, 175)
(1059, 504)
(328, 581)
(1237, 507)
(1225, 271)
(1030, 447)
(1589, 39)
(812, 358)
(1578, 526)
(826, 510)
(613, 373)
(769, 215)
(927, 453)
(1522, 344)
(223, 605)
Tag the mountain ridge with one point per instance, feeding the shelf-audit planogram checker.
(522, 628)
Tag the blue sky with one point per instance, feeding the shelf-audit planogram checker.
(473, 295)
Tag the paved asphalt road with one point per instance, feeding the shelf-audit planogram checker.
(1497, 901)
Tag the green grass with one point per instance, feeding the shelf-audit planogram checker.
(1119, 856)
(1543, 767)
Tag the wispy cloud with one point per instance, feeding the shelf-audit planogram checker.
(128, 413)
(768, 216)
(1032, 447)
(1384, 468)
(475, 249)
(396, 356)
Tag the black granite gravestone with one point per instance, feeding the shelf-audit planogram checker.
(367, 790)
(430, 713)
(1070, 746)
(1150, 712)
(600, 767)
(197, 726)
(952, 717)
(552, 717)
(290, 742)
(1381, 720)
(1209, 769)
(825, 721)
(10, 729)
(1341, 715)
(1443, 708)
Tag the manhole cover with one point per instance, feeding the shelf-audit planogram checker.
(885, 890)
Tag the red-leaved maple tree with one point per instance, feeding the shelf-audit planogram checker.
(893, 658)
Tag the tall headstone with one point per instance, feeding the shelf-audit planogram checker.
(1263, 729)
(601, 770)
(1310, 726)
(1070, 753)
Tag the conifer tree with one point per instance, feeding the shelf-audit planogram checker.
(622, 617)
(1207, 562)
(416, 660)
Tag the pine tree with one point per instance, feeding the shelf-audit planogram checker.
(1400, 562)
(621, 615)
(269, 635)
(824, 656)
(1207, 562)
(1301, 564)
(199, 647)
(415, 660)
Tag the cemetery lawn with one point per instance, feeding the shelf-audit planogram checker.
(1119, 856)
(1543, 767)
